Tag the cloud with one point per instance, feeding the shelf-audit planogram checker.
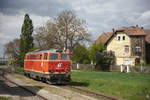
(10, 26)
(144, 19)
(38, 7)
(103, 15)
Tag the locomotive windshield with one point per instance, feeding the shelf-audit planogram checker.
(54, 57)
(64, 57)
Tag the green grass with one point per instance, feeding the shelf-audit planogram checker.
(3, 66)
(130, 86)
(5, 98)
(19, 69)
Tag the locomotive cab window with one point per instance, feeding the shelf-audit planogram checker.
(54, 57)
(45, 56)
(40, 56)
(64, 57)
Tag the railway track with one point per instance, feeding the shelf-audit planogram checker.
(5, 79)
(83, 91)
(95, 94)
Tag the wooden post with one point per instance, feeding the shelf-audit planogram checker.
(128, 69)
(121, 68)
(77, 65)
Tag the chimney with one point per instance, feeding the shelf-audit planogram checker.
(113, 30)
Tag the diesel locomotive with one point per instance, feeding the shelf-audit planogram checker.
(53, 66)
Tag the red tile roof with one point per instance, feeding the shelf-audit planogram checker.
(104, 37)
(147, 38)
(132, 30)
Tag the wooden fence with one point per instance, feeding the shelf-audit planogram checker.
(145, 69)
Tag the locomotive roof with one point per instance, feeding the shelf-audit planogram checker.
(45, 51)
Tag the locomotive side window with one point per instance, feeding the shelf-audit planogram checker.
(54, 57)
(45, 56)
(31, 57)
(34, 57)
(64, 57)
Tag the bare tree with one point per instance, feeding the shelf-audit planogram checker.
(12, 48)
(66, 30)
(41, 41)
(71, 30)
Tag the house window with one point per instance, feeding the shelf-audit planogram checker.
(123, 38)
(138, 49)
(126, 48)
(118, 38)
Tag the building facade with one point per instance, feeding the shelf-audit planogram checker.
(129, 44)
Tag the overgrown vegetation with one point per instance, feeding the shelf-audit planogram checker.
(95, 48)
(142, 64)
(80, 55)
(131, 86)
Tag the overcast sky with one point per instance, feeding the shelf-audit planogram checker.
(100, 15)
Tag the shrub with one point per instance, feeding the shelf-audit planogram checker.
(104, 60)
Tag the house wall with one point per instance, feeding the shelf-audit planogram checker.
(119, 48)
(125, 60)
(138, 41)
(147, 53)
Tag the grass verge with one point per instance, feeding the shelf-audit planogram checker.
(5, 98)
(130, 86)
(19, 69)
(3, 66)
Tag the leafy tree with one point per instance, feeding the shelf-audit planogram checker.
(26, 39)
(12, 61)
(104, 59)
(80, 55)
(93, 49)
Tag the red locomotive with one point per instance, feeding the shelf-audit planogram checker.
(48, 65)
